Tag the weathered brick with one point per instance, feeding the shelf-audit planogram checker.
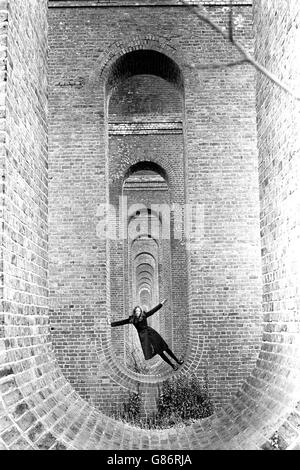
(214, 162)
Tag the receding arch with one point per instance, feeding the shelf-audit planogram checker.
(144, 275)
(146, 166)
(144, 62)
(144, 236)
(145, 282)
(145, 211)
(145, 289)
(144, 253)
(146, 73)
(144, 269)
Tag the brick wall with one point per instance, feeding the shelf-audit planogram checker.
(142, 3)
(24, 240)
(167, 151)
(220, 170)
(145, 95)
(277, 30)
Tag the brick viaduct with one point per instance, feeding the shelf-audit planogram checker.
(101, 98)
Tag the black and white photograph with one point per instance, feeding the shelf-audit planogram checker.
(150, 228)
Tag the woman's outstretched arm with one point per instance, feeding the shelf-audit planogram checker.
(120, 322)
(153, 310)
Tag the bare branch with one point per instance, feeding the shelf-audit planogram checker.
(231, 23)
(246, 56)
(218, 65)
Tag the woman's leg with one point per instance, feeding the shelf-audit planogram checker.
(166, 359)
(168, 351)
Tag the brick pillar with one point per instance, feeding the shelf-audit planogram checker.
(23, 213)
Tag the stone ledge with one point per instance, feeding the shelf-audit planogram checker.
(126, 128)
(143, 3)
(144, 187)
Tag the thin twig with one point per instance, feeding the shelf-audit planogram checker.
(247, 57)
(231, 24)
(215, 65)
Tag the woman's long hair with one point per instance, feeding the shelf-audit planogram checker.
(134, 315)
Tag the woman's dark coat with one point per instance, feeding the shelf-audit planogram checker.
(152, 343)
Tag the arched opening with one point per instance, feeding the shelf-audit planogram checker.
(146, 167)
(144, 62)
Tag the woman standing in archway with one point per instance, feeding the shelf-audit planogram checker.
(151, 341)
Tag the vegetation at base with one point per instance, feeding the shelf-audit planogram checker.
(181, 401)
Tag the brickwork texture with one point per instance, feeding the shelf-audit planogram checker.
(216, 295)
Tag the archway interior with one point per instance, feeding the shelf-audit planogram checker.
(146, 251)
(144, 62)
(146, 169)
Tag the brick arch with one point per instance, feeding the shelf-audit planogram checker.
(143, 283)
(147, 211)
(146, 237)
(145, 289)
(144, 276)
(145, 269)
(118, 49)
(167, 167)
(143, 253)
(117, 62)
(141, 165)
(143, 62)
(155, 159)
(120, 373)
(145, 292)
(146, 266)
